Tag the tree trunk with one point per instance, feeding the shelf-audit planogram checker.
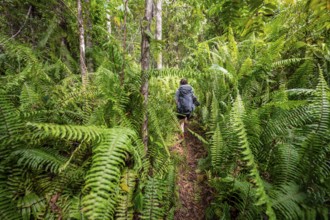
(122, 74)
(83, 68)
(108, 19)
(145, 60)
(89, 40)
(159, 29)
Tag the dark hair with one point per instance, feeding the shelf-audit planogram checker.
(183, 82)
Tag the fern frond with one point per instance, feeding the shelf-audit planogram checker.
(216, 149)
(287, 62)
(303, 75)
(124, 210)
(284, 120)
(31, 205)
(199, 137)
(8, 209)
(285, 164)
(141, 162)
(39, 159)
(314, 150)
(153, 119)
(300, 92)
(153, 199)
(104, 175)
(29, 99)
(246, 195)
(11, 125)
(287, 200)
(215, 112)
(238, 127)
(68, 132)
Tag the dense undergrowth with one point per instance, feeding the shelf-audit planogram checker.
(74, 152)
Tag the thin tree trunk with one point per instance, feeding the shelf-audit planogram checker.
(89, 41)
(83, 68)
(108, 16)
(122, 74)
(159, 28)
(145, 60)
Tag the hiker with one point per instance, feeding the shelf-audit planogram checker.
(185, 101)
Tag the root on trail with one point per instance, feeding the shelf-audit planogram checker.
(192, 184)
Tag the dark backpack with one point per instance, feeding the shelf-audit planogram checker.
(185, 105)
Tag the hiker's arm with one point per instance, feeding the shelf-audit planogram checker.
(193, 94)
(194, 98)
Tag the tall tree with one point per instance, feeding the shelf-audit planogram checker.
(89, 40)
(82, 59)
(145, 60)
(108, 16)
(122, 74)
(159, 28)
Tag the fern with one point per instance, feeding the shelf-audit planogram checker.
(11, 125)
(69, 132)
(199, 137)
(314, 150)
(103, 177)
(153, 199)
(285, 164)
(285, 62)
(29, 98)
(8, 209)
(216, 149)
(31, 204)
(238, 127)
(39, 159)
(286, 201)
(124, 209)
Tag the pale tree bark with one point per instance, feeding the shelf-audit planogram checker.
(108, 16)
(159, 29)
(145, 60)
(122, 74)
(82, 59)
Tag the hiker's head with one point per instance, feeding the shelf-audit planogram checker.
(183, 82)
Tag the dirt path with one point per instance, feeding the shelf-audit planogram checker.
(193, 190)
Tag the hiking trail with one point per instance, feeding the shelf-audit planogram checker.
(193, 190)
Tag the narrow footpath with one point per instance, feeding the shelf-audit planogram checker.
(192, 184)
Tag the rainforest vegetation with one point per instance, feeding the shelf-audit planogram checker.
(88, 119)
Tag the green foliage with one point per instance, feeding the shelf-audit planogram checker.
(125, 209)
(72, 152)
(248, 157)
(155, 193)
(216, 149)
(104, 175)
(81, 133)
